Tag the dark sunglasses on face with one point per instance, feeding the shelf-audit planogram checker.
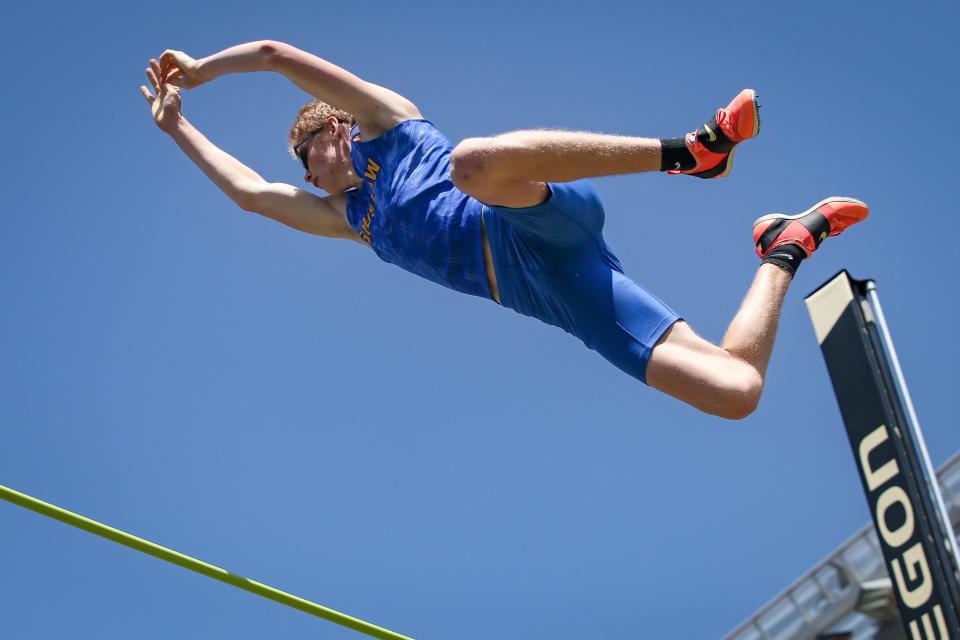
(300, 149)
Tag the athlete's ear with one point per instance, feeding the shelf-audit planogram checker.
(332, 125)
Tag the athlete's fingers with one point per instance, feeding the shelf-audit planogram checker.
(164, 69)
(153, 80)
(168, 58)
(156, 69)
(174, 75)
(168, 62)
(146, 95)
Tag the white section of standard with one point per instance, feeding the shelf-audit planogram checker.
(914, 425)
(828, 303)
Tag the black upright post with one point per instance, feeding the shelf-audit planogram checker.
(916, 538)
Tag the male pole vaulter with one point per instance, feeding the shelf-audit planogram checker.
(508, 218)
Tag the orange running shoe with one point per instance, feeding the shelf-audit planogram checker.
(713, 144)
(828, 217)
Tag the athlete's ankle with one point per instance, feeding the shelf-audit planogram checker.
(787, 256)
(675, 155)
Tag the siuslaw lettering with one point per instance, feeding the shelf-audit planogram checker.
(911, 569)
(373, 169)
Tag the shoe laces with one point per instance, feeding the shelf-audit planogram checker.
(726, 123)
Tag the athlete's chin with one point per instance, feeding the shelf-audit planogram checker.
(335, 188)
(327, 187)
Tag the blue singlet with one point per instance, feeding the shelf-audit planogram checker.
(409, 211)
(551, 260)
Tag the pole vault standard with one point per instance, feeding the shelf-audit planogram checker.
(155, 550)
(914, 530)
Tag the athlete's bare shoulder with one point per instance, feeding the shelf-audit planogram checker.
(386, 109)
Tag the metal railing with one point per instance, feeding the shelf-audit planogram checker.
(828, 593)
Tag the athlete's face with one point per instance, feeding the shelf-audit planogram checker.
(325, 156)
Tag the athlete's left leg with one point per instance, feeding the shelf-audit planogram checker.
(727, 380)
(511, 169)
(724, 380)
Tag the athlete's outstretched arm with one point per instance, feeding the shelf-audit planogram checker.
(375, 108)
(284, 203)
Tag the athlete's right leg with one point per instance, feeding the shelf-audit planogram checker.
(511, 169)
(727, 380)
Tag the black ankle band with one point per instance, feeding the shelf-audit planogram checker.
(674, 155)
(788, 257)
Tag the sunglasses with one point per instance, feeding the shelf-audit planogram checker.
(300, 149)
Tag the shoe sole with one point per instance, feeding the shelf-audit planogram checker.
(756, 114)
(756, 131)
(729, 168)
(783, 216)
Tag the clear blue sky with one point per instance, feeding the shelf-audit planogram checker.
(295, 410)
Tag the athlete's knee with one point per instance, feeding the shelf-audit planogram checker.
(473, 163)
(738, 394)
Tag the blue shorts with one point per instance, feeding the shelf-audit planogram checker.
(553, 264)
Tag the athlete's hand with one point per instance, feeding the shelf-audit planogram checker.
(165, 106)
(179, 69)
